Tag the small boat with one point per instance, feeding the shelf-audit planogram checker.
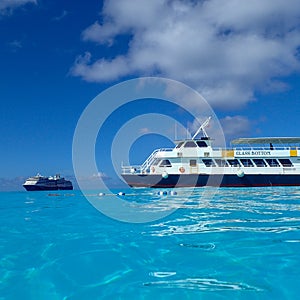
(193, 162)
(42, 183)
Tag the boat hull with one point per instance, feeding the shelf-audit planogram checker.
(46, 188)
(200, 180)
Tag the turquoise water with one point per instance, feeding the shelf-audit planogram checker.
(242, 244)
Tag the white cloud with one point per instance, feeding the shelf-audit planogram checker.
(7, 6)
(226, 50)
(99, 175)
(14, 3)
(61, 16)
(225, 129)
(92, 181)
(15, 45)
(101, 70)
(235, 126)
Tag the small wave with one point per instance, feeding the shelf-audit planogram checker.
(291, 241)
(162, 274)
(194, 229)
(206, 247)
(204, 284)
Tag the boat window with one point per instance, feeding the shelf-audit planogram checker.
(233, 162)
(156, 161)
(201, 144)
(209, 162)
(165, 163)
(286, 162)
(179, 145)
(259, 162)
(193, 163)
(190, 144)
(272, 162)
(221, 162)
(247, 162)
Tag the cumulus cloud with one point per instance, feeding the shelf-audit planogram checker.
(236, 126)
(227, 50)
(7, 6)
(225, 130)
(101, 70)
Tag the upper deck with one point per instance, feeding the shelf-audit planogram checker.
(267, 140)
(203, 148)
(266, 147)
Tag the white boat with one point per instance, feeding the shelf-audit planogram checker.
(42, 183)
(194, 162)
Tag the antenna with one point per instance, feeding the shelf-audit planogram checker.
(187, 130)
(201, 128)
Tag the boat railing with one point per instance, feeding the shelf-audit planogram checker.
(132, 169)
(145, 167)
(265, 148)
(256, 148)
(164, 150)
(149, 161)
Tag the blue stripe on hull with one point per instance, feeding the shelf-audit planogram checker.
(42, 188)
(194, 180)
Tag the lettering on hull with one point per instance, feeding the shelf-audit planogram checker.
(253, 153)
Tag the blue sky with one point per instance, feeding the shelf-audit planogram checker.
(56, 56)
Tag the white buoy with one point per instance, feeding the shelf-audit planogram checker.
(240, 173)
(164, 175)
(121, 194)
(173, 193)
(101, 194)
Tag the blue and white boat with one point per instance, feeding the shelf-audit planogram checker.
(42, 183)
(194, 162)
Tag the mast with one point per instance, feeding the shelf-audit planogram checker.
(202, 128)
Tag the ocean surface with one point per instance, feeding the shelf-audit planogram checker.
(244, 243)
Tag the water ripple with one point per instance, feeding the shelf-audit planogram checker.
(204, 284)
(162, 274)
(237, 210)
(206, 247)
(194, 229)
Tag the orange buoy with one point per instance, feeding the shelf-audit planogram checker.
(181, 169)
